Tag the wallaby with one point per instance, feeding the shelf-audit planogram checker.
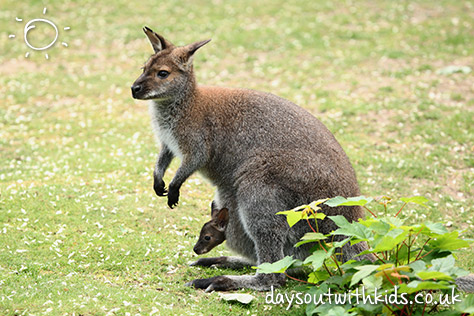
(263, 153)
(213, 232)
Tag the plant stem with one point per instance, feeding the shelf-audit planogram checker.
(416, 235)
(370, 211)
(409, 246)
(419, 253)
(388, 278)
(425, 255)
(296, 279)
(327, 269)
(315, 219)
(310, 225)
(378, 257)
(396, 256)
(401, 209)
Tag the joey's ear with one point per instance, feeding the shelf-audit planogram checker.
(187, 53)
(222, 219)
(214, 209)
(157, 41)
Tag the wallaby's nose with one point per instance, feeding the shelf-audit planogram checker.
(136, 88)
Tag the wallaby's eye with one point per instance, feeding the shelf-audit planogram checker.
(207, 238)
(162, 74)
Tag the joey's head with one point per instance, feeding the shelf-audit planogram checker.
(168, 73)
(213, 232)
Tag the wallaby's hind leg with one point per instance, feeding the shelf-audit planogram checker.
(223, 262)
(258, 282)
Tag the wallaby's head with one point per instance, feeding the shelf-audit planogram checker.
(213, 232)
(168, 72)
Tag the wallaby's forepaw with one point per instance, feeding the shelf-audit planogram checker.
(218, 283)
(159, 187)
(173, 198)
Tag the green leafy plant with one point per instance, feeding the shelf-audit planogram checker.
(412, 270)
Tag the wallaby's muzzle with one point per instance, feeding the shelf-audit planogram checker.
(136, 88)
(199, 250)
(139, 88)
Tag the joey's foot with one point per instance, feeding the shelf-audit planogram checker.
(159, 187)
(173, 198)
(209, 262)
(218, 283)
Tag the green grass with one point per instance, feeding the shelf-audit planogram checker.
(81, 230)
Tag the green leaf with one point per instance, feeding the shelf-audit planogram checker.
(372, 282)
(318, 276)
(379, 226)
(447, 265)
(305, 214)
(310, 237)
(317, 258)
(314, 205)
(420, 200)
(292, 217)
(352, 201)
(341, 243)
(239, 297)
(339, 311)
(415, 286)
(279, 266)
(313, 236)
(364, 271)
(340, 220)
(448, 241)
(295, 215)
(391, 239)
(427, 275)
(436, 228)
(331, 309)
(466, 305)
(394, 221)
(318, 215)
(418, 266)
(315, 291)
(350, 229)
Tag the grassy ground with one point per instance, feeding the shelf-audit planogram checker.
(81, 230)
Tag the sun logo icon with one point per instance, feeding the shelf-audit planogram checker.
(30, 25)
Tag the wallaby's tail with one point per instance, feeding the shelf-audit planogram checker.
(466, 283)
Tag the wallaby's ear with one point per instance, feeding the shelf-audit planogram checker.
(157, 41)
(214, 209)
(222, 219)
(187, 53)
(192, 48)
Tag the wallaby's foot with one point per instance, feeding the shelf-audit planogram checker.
(222, 262)
(218, 283)
(207, 262)
(258, 282)
(466, 283)
(159, 187)
(173, 197)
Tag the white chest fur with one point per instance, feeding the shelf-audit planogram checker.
(162, 130)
